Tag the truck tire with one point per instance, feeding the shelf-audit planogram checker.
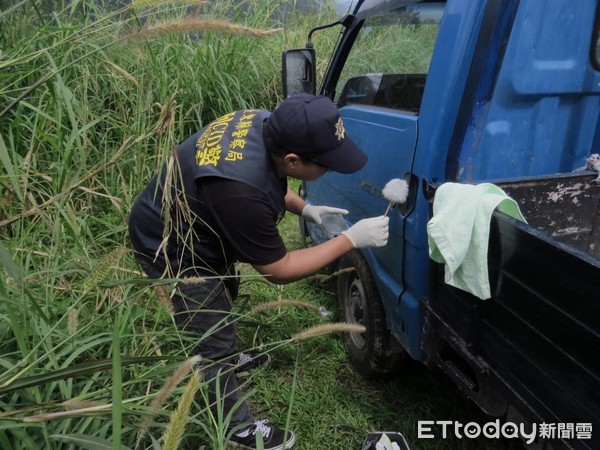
(376, 352)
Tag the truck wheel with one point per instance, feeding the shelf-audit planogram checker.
(376, 352)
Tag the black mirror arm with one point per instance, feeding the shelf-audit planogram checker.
(344, 21)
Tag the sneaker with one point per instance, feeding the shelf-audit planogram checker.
(247, 362)
(272, 437)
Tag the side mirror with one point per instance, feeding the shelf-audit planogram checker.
(299, 71)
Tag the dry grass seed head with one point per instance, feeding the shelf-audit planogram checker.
(321, 278)
(72, 321)
(123, 72)
(176, 427)
(99, 274)
(193, 24)
(278, 303)
(71, 405)
(139, 4)
(164, 298)
(329, 328)
(170, 384)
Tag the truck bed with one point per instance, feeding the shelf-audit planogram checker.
(532, 351)
(565, 206)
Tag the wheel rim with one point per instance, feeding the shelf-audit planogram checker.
(354, 306)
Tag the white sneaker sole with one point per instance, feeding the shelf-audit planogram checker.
(289, 444)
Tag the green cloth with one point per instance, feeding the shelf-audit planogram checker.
(458, 232)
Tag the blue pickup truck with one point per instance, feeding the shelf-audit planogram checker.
(505, 92)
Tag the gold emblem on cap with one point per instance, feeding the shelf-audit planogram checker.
(339, 129)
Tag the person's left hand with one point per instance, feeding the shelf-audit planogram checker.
(312, 213)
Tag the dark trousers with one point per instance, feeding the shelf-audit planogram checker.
(203, 309)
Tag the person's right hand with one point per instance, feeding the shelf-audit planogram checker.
(371, 232)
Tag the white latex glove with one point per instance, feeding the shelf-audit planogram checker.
(371, 232)
(312, 213)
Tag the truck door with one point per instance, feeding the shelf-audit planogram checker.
(378, 88)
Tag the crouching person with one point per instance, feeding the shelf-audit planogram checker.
(218, 202)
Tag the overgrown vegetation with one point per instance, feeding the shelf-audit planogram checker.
(93, 97)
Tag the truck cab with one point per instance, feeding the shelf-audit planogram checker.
(474, 91)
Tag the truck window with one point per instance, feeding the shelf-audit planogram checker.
(389, 60)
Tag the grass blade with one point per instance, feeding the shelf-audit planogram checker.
(5, 159)
(117, 385)
(8, 262)
(75, 371)
(87, 442)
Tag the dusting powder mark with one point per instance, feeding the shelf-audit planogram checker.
(566, 231)
(578, 185)
(555, 196)
(570, 191)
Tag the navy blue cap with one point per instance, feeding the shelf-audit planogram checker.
(311, 126)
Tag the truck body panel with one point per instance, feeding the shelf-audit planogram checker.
(528, 121)
(508, 93)
(537, 342)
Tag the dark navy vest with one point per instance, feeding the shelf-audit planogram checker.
(232, 147)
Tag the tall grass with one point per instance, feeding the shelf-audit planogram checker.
(92, 100)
